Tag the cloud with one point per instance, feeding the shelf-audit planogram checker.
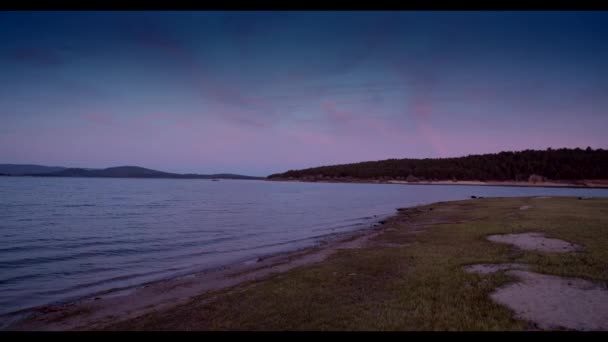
(340, 117)
(230, 102)
(364, 122)
(422, 75)
(100, 118)
(37, 56)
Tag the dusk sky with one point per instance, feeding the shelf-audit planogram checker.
(263, 92)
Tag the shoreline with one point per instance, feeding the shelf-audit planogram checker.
(106, 307)
(415, 264)
(440, 267)
(589, 185)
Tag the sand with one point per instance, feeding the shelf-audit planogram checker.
(588, 184)
(552, 302)
(493, 268)
(535, 242)
(549, 302)
(507, 183)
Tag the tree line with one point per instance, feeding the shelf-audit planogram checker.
(551, 164)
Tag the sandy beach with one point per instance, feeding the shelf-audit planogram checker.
(582, 184)
(600, 184)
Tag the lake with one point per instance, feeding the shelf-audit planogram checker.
(65, 238)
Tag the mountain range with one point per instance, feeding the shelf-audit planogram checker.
(111, 172)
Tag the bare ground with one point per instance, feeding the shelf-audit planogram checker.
(554, 302)
(493, 268)
(535, 242)
(550, 302)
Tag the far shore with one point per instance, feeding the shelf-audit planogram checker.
(601, 184)
(593, 184)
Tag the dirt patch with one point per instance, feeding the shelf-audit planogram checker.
(535, 242)
(555, 303)
(525, 207)
(493, 268)
(381, 244)
(550, 302)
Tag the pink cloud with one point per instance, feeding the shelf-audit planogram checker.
(310, 137)
(226, 96)
(436, 139)
(335, 115)
(100, 118)
(364, 127)
(38, 56)
(422, 83)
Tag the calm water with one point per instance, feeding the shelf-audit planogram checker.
(61, 239)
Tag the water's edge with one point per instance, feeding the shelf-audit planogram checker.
(66, 241)
(11, 319)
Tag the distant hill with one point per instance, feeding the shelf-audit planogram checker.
(131, 172)
(22, 169)
(120, 171)
(552, 164)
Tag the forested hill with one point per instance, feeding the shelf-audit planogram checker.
(559, 164)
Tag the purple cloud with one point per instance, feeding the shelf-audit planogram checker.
(37, 56)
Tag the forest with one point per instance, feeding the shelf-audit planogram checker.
(529, 165)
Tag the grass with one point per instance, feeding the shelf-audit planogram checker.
(408, 280)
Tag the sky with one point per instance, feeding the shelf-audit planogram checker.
(263, 92)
